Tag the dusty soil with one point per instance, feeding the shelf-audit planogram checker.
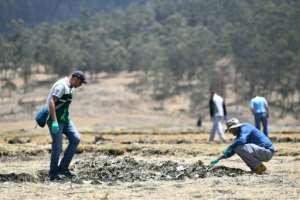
(144, 165)
(96, 170)
(130, 149)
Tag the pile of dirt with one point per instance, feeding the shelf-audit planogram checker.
(127, 169)
(13, 177)
(19, 140)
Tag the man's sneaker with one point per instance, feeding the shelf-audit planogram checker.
(67, 173)
(55, 178)
(260, 169)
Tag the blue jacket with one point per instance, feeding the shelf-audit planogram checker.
(250, 135)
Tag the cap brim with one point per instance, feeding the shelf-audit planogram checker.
(83, 81)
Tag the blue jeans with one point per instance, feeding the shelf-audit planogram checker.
(262, 118)
(253, 155)
(74, 138)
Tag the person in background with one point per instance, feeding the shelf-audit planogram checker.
(218, 113)
(199, 121)
(59, 122)
(250, 144)
(260, 110)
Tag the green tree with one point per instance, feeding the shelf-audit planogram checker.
(7, 59)
(24, 51)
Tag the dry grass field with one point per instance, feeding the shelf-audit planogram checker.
(130, 150)
(27, 155)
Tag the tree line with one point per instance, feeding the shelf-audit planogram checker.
(182, 46)
(35, 11)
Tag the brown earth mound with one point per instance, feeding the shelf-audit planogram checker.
(127, 169)
(13, 177)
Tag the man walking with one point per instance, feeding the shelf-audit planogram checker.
(260, 110)
(59, 122)
(217, 113)
(250, 144)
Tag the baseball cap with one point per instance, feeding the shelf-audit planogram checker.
(233, 123)
(79, 74)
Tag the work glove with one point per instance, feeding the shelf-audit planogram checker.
(212, 163)
(54, 127)
(226, 153)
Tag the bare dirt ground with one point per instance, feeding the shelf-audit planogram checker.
(151, 165)
(131, 150)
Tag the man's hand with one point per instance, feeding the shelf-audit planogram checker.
(54, 128)
(212, 163)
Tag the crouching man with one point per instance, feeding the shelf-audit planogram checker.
(250, 144)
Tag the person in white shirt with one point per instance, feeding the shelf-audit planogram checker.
(260, 110)
(59, 123)
(218, 113)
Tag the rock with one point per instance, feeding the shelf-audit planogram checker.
(19, 140)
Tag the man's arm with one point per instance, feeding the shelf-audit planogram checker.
(252, 107)
(267, 107)
(52, 108)
(54, 126)
(214, 162)
(211, 107)
(241, 140)
(221, 157)
(57, 93)
(225, 110)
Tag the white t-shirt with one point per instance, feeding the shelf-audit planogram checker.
(60, 88)
(218, 101)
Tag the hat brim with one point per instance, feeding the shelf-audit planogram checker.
(234, 126)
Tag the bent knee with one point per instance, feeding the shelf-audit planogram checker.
(241, 149)
(75, 140)
(56, 149)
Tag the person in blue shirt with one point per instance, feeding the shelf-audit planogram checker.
(250, 144)
(260, 110)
